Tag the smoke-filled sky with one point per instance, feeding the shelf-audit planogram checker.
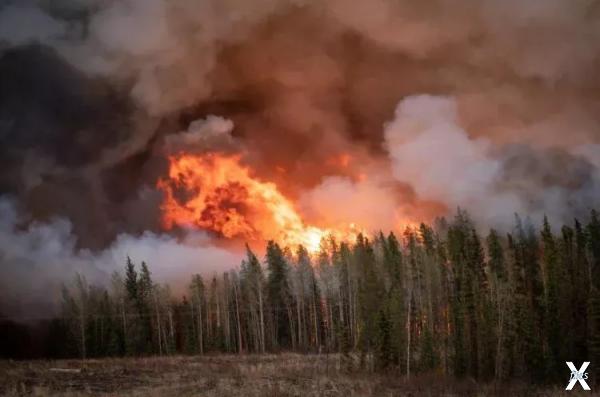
(379, 112)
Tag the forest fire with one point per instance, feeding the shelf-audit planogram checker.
(215, 192)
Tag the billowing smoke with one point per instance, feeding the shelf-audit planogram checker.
(436, 156)
(38, 258)
(385, 112)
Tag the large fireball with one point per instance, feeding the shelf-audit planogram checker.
(216, 192)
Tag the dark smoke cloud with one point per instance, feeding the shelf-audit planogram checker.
(491, 105)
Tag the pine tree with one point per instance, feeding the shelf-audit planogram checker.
(500, 298)
(369, 296)
(593, 244)
(190, 341)
(530, 301)
(76, 311)
(253, 285)
(131, 281)
(461, 293)
(429, 360)
(278, 293)
(579, 316)
(496, 263)
(437, 302)
(145, 300)
(552, 277)
(135, 337)
(384, 349)
(198, 308)
(395, 299)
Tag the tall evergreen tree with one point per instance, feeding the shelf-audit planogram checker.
(436, 301)
(593, 243)
(278, 293)
(552, 279)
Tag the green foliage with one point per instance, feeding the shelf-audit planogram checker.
(384, 348)
(278, 294)
(438, 299)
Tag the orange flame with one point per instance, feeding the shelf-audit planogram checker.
(215, 192)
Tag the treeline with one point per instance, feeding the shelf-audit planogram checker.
(437, 298)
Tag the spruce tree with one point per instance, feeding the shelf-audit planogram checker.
(580, 294)
(131, 281)
(395, 299)
(278, 293)
(384, 349)
(496, 261)
(145, 302)
(369, 296)
(552, 279)
(593, 244)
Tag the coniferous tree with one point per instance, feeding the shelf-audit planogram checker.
(501, 297)
(278, 293)
(197, 310)
(438, 300)
(369, 297)
(145, 301)
(552, 279)
(396, 299)
(131, 281)
(579, 314)
(253, 286)
(593, 243)
(384, 349)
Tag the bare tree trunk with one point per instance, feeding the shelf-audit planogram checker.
(292, 328)
(193, 312)
(237, 317)
(200, 338)
(262, 320)
(341, 306)
(255, 331)
(227, 323)
(499, 352)
(171, 329)
(408, 326)
(325, 319)
(82, 331)
(355, 318)
(158, 324)
(217, 300)
(208, 322)
(299, 321)
(102, 331)
(330, 312)
(315, 322)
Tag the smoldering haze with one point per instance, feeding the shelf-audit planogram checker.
(492, 182)
(38, 258)
(489, 105)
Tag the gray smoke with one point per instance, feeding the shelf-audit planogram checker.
(39, 257)
(435, 155)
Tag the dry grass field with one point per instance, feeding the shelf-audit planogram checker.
(231, 375)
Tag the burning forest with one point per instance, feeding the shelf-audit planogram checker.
(383, 178)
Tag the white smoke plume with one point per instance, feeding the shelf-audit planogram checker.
(38, 258)
(432, 152)
(211, 132)
(340, 200)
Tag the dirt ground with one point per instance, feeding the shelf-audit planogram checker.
(230, 375)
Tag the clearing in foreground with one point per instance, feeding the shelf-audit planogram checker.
(231, 375)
